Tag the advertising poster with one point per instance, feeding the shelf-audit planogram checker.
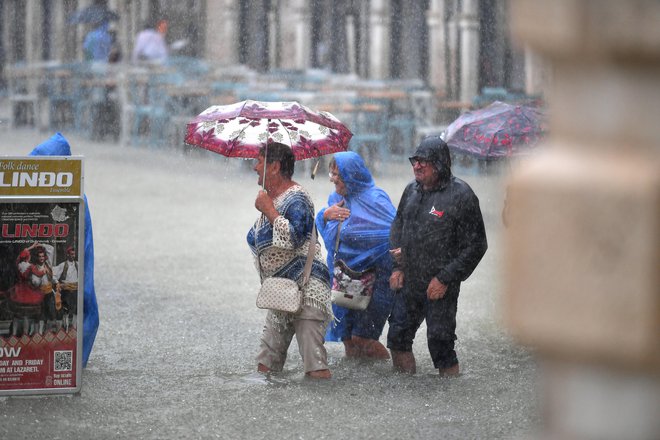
(41, 275)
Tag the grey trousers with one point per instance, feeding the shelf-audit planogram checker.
(309, 327)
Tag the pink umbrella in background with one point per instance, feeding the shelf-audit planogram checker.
(497, 131)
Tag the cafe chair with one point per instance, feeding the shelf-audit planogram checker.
(369, 127)
(147, 101)
(23, 93)
(66, 97)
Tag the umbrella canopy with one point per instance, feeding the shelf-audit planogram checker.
(93, 14)
(497, 131)
(241, 129)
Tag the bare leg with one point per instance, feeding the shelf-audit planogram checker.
(319, 374)
(404, 362)
(369, 348)
(351, 350)
(452, 371)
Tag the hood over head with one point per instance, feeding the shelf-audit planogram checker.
(57, 145)
(436, 151)
(353, 172)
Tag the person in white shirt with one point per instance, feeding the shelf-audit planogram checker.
(66, 274)
(150, 44)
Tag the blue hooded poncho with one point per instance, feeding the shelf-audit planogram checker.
(57, 145)
(364, 237)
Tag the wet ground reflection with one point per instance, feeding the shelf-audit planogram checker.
(174, 356)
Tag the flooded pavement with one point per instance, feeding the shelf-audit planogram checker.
(174, 354)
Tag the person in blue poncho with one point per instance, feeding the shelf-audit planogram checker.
(57, 145)
(365, 214)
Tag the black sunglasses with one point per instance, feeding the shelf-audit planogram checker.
(415, 160)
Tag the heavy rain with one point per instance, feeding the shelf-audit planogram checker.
(175, 281)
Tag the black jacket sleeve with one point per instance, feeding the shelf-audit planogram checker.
(396, 230)
(473, 243)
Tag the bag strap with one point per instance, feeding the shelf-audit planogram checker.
(334, 256)
(261, 276)
(310, 257)
(308, 263)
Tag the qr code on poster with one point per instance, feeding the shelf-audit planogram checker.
(63, 361)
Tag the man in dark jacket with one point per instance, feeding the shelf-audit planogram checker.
(437, 239)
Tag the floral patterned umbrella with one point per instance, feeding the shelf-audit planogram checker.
(241, 129)
(497, 131)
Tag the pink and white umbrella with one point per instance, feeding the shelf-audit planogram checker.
(241, 129)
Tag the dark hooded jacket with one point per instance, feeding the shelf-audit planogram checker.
(440, 231)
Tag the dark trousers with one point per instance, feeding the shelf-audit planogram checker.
(50, 312)
(70, 301)
(440, 318)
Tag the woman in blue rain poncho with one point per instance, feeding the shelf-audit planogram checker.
(57, 145)
(365, 213)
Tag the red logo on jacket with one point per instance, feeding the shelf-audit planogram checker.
(436, 213)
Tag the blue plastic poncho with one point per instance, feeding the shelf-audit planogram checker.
(364, 238)
(57, 145)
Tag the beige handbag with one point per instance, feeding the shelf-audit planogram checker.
(284, 294)
(351, 289)
(280, 294)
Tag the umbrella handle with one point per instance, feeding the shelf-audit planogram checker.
(263, 181)
(316, 168)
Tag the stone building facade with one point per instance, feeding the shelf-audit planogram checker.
(456, 47)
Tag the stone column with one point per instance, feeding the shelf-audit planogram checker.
(436, 24)
(222, 31)
(58, 27)
(127, 30)
(350, 42)
(337, 36)
(256, 29)
(379, 37)
(537, 73)
(4, 34)
(469, 31)
(451, 52)
(274, 39)
(582, 244)
(364, 43)
(295, 36)
(33, 30)
(412, 43)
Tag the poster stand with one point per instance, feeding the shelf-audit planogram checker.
(41, 274)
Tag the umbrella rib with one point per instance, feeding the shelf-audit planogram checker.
(240, 133)
(288, 134)
(279, 121)
(499, 129)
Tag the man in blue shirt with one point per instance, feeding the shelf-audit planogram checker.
(98, 43)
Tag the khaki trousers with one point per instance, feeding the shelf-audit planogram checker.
(309, 327)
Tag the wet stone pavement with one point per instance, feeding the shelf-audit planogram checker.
(174, 354)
